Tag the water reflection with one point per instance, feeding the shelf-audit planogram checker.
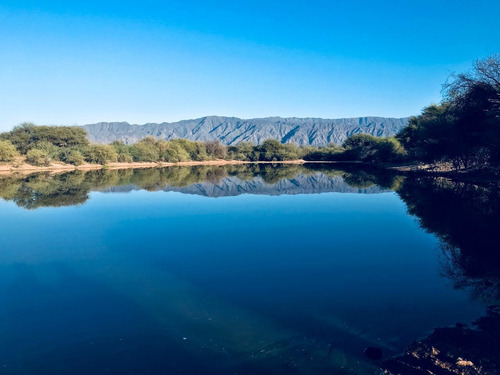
(463, 216)
(466, 218)
(56, 190)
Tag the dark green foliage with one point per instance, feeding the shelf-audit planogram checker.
(330, 153)
(361, 147)
(427, 137)
(8, 151)
(45, 190)
(27, 136)
(269, 150)
(368, 148)
(465, 217)
(273, 150)
(243, 151)
(465, 127)
(38, 158)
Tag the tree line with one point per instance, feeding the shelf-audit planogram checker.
(464, 129)
(42, 145)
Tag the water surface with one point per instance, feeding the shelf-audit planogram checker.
(239, 270)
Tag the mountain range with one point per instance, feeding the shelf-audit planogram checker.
(233, 130)
(233, 185)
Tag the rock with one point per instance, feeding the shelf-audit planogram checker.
(464, 363)
(453, 350)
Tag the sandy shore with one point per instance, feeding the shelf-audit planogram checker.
(24, 168)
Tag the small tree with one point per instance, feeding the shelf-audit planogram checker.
(173, 152)
(26, 136)
(8, 151)
(38, 157)
(75, 157)
(125, 158)
(145, 150)
(216, 149)
(101, 154)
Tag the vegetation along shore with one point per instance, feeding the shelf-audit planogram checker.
(459, 135)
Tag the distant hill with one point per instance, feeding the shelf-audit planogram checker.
(233, 185)
(233, 130)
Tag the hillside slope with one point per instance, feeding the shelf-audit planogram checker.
(232, 130)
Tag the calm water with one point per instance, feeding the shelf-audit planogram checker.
(271, 270)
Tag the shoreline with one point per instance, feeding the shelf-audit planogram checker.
(11, 169)
(438, 170)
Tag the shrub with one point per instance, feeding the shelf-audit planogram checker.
(173, 152)
(75, 157)
(145, 151)
(216, 149)
(125, 158)
(273, 150)
(195, 149)
(38, 157)
(27, 135)
(243, 151)
(53, 151)
(8, 151)
(100, 154)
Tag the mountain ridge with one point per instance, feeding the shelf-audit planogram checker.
(230, 186)
(233, 130)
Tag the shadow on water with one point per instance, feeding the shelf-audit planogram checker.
(465, 217)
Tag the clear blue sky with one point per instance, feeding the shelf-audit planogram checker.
(76, 62)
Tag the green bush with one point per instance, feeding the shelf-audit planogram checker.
(8, 151)
(173, 152)
(243, 151)
(331, 152)
(75, 157)
(101, 154)
(125, 158)
(124, 152)
(39, 158)
(195, 150)
(145, 151)
(25, 136)
(273, 150)
(53, 151)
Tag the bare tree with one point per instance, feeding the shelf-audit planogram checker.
(216, 149)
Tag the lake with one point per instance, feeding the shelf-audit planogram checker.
(268, 269)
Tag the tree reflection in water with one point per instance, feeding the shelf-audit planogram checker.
(466, 219)
(464, 216)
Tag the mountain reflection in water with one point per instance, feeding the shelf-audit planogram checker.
(465, 217)
(55, 190)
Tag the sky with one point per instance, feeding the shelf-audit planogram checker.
(78, 62)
